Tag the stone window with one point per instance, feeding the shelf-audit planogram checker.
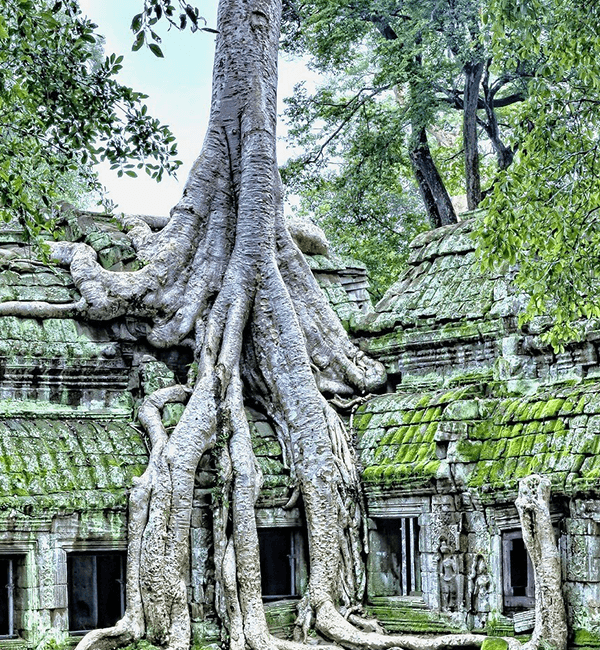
(394, 564)
(517, 572)
(8, 595)
(281, 559)
(96, 584)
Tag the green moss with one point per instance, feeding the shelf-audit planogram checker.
(492, 450)
(404, 618)
(361, 421)
(423, 401)
(580, 405)
(586, 638)
(551, 408)
(468, 451)
(484, 430)
(431, 414)
(172, 414)
(141, 645)
(527, 443)
(514, 447)
(494, 643)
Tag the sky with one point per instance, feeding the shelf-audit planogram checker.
(178, 88)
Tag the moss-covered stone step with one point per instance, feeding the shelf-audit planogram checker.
(281, 616)
(402, 615)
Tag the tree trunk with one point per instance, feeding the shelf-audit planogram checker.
(473, 73)
(432, 188)
(504, 154)
(533, 505)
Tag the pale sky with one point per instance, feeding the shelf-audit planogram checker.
(178, 87)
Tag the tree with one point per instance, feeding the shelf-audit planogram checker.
(224, 278)
(365, 211)
(533, 506)
(61, 110)
(543, 212)
(420, 63)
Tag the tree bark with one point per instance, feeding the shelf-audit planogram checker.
(533, 505)
(473, 73)
(433, 191)
(504, 154)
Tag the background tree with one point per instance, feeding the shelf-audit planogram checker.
(61, 111)
(425, 60)
(367, 206)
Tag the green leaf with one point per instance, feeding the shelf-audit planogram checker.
(136, 23)
(139, 41)
(155, 49)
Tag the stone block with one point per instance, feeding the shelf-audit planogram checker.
(53, 596)
(60, 566)
(524, 621)
(581, 527)
(462, 410)
(447, 431)
(60, 619)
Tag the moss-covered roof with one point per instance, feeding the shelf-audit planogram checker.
(344, 282)
(443, 299)
(68, 463)
(481, 443)
(397, 438)
(443, 283)
(276, 476)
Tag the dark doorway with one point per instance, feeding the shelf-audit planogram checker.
(518, 583)
(277, 562)
(394, 561)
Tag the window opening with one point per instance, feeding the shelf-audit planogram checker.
(279, 552)
(96, 590)
(518, 582)
(396, 557)
(7, 597)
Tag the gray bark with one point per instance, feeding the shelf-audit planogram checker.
(533, 505)
(432, 188)
(473, 73)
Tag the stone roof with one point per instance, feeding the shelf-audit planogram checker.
(447, 321)
(461, 439)
(443, 298)
(344, 281)
(61, 463)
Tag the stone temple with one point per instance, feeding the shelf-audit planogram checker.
(474, 403)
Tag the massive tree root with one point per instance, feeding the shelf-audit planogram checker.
(224, 277)
(533, 505)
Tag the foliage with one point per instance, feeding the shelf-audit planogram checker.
(393, 69)
(544, 212)
(61, 111)
(178, 15)
(362, 203)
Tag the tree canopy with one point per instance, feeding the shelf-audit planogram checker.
(62, 110)
(499, 98)
(429, 67)
(543, 212)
